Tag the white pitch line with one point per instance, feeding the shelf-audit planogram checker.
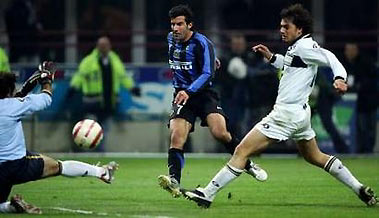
(77, 211)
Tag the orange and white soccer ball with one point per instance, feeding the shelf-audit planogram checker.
(87, 133)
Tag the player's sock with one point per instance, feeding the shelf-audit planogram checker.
(222, 178)
(231, 146)
(76, 168)
(6, 207)
(335, 167)
(175, 163)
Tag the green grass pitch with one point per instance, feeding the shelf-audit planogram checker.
(294, 189)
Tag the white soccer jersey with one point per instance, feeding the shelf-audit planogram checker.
(299, 68)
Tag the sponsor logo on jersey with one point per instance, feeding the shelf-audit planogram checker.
(180, 65)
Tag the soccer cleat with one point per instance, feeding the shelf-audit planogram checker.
(367, 195)
(170, 184)
(199, 197)
(110, 168)
(257, 172)
(22, 207)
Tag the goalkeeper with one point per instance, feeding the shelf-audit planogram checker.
(17, 165)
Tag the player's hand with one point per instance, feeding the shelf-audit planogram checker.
(340, 85)
(181, 98)
(217, 63)
(264, 50)
(28, 85)
(47, 70)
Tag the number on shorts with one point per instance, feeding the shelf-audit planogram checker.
(178, 109)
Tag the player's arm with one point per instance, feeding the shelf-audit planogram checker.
(36, 102)
(46, 69)
(277, 60)
(207, 60)
(324, 57)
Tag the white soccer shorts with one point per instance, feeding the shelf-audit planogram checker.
(287, 121)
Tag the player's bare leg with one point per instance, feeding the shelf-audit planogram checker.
(180, 129)
(331, 164)
(253, 142)
(217, 127)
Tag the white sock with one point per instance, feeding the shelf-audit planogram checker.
(76, 168)
(222, 178)
(335, 167)
(6, 207)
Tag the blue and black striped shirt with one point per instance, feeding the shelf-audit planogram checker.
(192, 62)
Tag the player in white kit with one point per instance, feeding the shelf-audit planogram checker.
(291, 116)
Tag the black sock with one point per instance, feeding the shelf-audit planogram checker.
(231, 146)
(175, 163)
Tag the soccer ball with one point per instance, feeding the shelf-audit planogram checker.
(87, 133)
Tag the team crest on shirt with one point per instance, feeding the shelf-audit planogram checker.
(177, 53)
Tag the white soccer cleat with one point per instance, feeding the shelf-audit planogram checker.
(110, 168)
(257, 172)
(23, 207)
(170, 184)
(198, 195)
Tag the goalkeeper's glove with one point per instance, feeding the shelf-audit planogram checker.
(47, 70)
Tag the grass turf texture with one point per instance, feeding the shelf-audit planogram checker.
(294, 189)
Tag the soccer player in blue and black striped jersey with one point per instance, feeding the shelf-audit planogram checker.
(191, 57)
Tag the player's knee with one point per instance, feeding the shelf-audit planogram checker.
(51, 168)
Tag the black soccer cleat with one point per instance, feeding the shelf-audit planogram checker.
(367, 195)
(198, 196)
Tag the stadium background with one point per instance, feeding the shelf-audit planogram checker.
(138, 29)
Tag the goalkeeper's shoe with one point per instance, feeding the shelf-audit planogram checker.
(367, 195)
(170, 184)
(198, 195)
(108, 175)
(22, 207)
(257, 172)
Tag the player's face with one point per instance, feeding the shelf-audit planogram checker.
(180, 29)
(289, 31)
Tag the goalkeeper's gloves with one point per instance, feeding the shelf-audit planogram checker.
(44, 75)
(47, 70)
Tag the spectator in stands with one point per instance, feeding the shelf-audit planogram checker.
(4, 63)
(100, 77)
(363, 79)
(23, 26)
(231, 81)
(325, 102)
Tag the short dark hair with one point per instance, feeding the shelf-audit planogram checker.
(7, 84)
(181, 10)
(299, 16)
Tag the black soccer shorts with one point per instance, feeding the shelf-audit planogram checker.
(198, 105)
(26, 169)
